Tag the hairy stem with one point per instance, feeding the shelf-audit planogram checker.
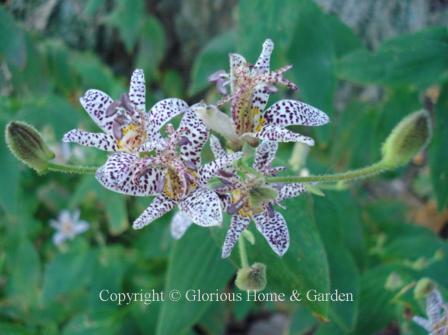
(64, 168)
(364, 172)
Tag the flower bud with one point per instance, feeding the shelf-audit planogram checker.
(423, 287)
(27, 145)
(216, 120)
(407, 139)
(251, 278)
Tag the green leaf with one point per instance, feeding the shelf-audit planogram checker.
(51, 110)
(213, 57)
(334, 220)
(13, 47)
(116, 212)
(95, 74)
(318, 40)
(414, 59)
(9, 178)
(127, 17)
(262, 19)
(151, 47)
(194, 264)
(375, 308)
(305, 265)
(68, 272)
(114, 204)
(438, 152)
(24, 274)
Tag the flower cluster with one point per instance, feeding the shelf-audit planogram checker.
(149, 157)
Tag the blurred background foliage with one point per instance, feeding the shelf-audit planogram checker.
(366, 63)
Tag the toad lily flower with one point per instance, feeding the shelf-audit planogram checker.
(126, 125)
(252, 199)
(250, 87)
(174, 175)
(67, 226)
(437, 311)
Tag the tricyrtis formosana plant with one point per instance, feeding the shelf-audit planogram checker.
(150, 157)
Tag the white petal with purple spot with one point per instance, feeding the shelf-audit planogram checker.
(203, 207)
(158, 207)
(272, 226)
(100, 141)
(237, 226)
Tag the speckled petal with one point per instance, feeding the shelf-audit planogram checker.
(260, 98)
(203, 207)
(96, 103)
(279, 134)
(163, 111)
(290, 191)
(158, 207)
(273, 227)
(100, 141)
(179, 224)
(137, 90)
(293, 112)
(216, 147)
(194, 134)
(264, 155)
(434, 302)
(262, 64)
(119, 175)
(237, 226)
(210, 170)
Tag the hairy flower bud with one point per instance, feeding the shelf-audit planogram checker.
(27, 145)
(407, 139)
(423, 287)
(251, 278)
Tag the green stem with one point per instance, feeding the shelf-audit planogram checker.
(243, 253)
(364, 172)
(64, 168)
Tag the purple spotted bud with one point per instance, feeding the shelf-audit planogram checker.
(27, 145)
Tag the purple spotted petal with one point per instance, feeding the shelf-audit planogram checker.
(158, 207)
(264, 155)
(96, 103)
(179, 224)
(121, 174)
(238, 66)
(434, 304)
(216, 147)
(194, 134)
(203, 207)
(263, 62)
(100, 141)
(293, 112)
(290, 191)
(280, 134)
(211, 169)
(137, 90)
(163, 111)
(272, 226)
(260, 97)
(237, 226)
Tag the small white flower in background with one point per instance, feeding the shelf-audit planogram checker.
(437, 312)
(67, 226)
